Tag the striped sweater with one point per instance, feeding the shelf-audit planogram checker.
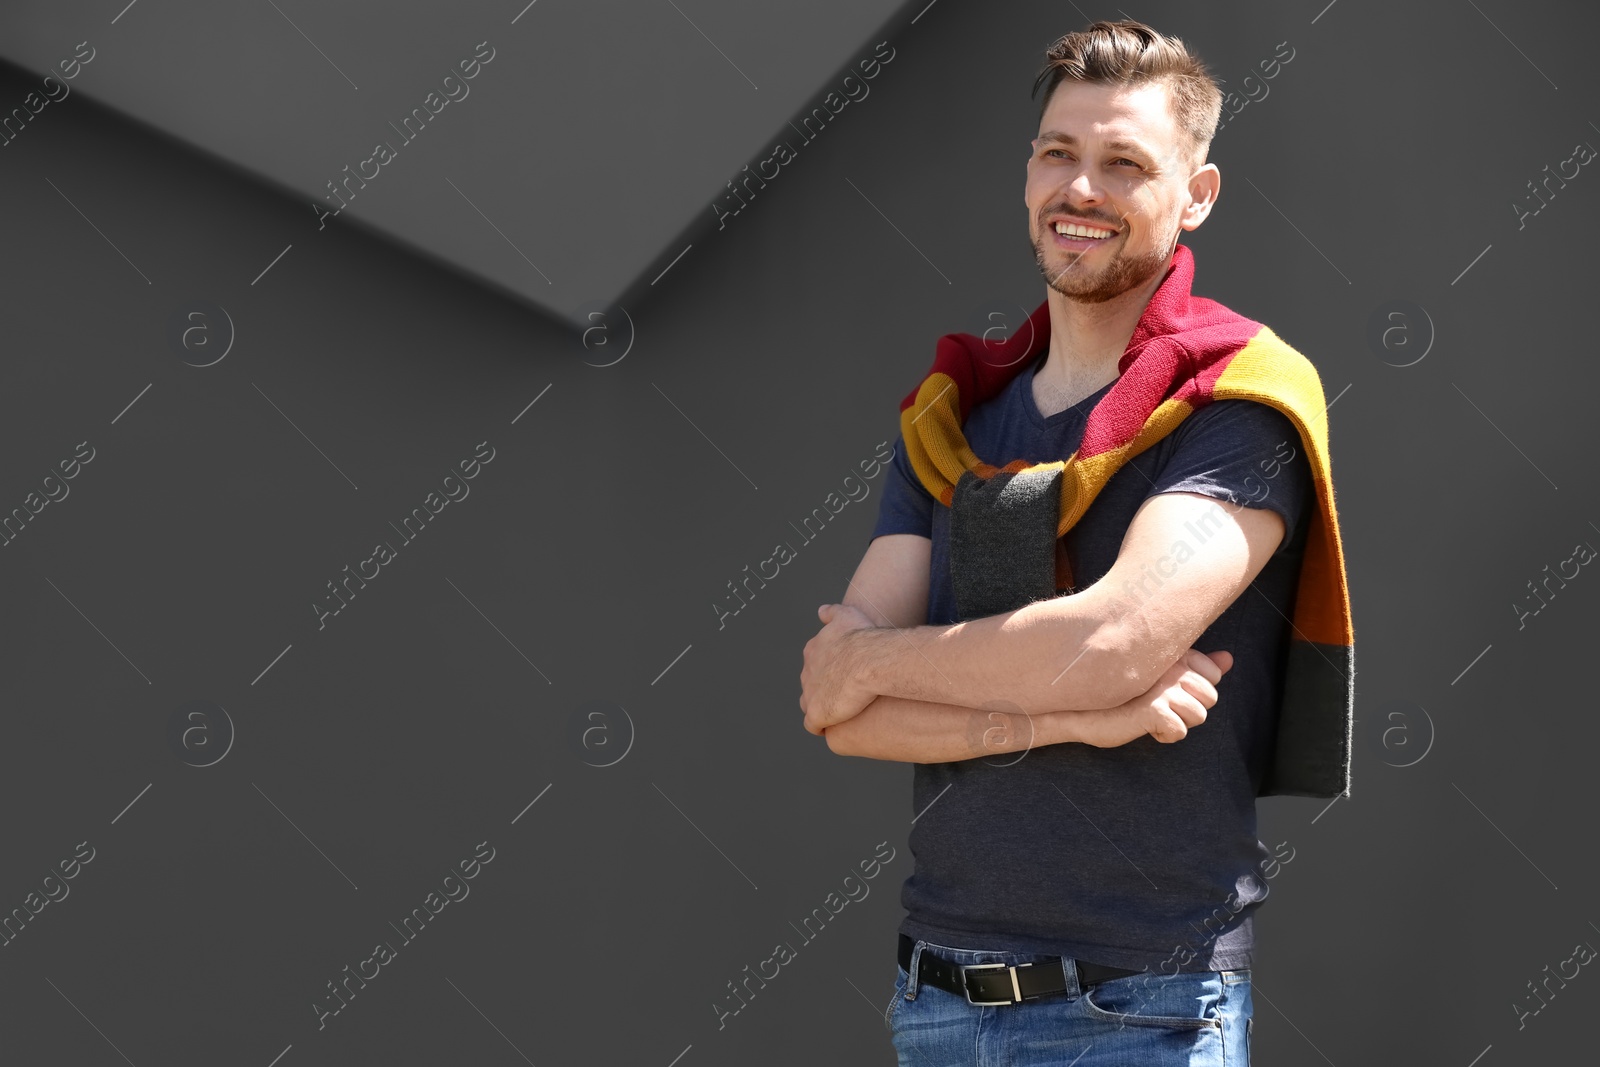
(1186, 351)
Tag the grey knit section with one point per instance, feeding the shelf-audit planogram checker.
(1311, 756)
(1002, 540)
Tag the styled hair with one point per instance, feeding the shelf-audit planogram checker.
(1126, 52)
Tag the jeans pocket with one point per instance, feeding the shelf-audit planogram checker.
(894, 1001)
(1156, 999)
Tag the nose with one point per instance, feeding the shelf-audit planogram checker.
(1082, 189)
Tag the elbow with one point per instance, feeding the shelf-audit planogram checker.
(1113, 668)
(1093, 669)
(838, 740)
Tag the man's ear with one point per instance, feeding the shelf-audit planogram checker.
(1204, 186)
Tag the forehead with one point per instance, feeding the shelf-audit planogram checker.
(1132, 115)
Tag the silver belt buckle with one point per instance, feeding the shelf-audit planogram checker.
(1016, 990)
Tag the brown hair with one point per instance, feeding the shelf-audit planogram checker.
(1126, 52)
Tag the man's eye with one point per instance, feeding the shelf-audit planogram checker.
(1129, 162)
(1053, 151)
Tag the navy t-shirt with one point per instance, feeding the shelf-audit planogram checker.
(1144, 855)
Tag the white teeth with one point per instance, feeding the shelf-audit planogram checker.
(1072, 229)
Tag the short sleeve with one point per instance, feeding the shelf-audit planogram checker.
(906, 507)
(1242, 452)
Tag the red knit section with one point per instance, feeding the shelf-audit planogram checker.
(1179, 347)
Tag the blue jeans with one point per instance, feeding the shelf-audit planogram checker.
(1152, 1019)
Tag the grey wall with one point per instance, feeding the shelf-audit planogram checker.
(399, 117)
(638, 467)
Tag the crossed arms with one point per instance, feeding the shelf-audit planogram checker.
(1105, 665)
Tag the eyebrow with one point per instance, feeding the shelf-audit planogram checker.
(1059, 137)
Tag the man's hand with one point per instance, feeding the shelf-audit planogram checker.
(829, 693)
(1178, 700)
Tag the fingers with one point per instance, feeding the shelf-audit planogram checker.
(1184, 694)
(1181, 682)
(1201, 663)
(1190, 707)
(1196, 686)
(1169, 727)
(1177, 710)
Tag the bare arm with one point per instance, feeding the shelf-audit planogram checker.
(891, 587)
(919, 731)
(913, 731)
(1095, 649)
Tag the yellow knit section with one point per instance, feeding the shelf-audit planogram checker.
(1270, 371)
(938, 450)
(1093, 472)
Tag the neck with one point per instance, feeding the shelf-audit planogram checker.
(1088, 339)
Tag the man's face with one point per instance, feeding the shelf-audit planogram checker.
(1112, 159)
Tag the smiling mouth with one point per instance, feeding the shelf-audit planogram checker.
(1079, 233)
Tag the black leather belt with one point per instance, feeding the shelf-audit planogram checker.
(986, 984)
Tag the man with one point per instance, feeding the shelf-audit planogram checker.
(1091, 902)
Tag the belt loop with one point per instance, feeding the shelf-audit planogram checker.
(916, 964)
(1069, 969)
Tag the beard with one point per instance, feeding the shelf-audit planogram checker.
(1122, 273)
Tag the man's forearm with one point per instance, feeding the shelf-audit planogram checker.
(1064, 654)
(919, 731)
